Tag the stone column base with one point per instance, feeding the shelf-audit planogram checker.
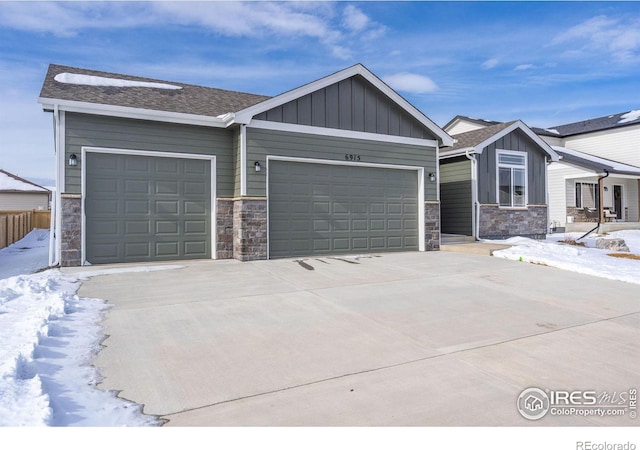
(250, 229)
(431, 226)
(71, 233)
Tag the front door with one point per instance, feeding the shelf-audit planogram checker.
(617, 200)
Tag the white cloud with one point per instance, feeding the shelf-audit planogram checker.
(490, 63)
(411, 82)
(524, 67)
(354, 19)
(617, 37)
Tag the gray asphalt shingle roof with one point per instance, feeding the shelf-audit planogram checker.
(191, 99)
(475, 137)
(591, 125)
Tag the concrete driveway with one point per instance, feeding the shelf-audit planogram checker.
(398, 339)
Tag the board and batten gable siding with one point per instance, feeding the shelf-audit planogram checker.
(84, 130)
(455, 196)
(536, 166)
(352, 104)
(262, 143)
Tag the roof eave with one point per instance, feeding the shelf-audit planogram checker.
(518, 124)
(49, 104)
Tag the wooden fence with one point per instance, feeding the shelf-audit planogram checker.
(14, 225)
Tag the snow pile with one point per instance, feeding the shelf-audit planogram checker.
(630, 116)
(49, 336)
(8, 183)
(90, 80)
(587, 260)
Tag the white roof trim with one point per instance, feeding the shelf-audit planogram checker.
(615, 165)
(456, 152)
(136, 113)
(335, 132)
(245, 115)
(518, 124)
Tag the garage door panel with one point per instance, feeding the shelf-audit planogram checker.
(106, 227)
(167, 227)
(167, 207)
(137, 249)
(167, 187)
(146, 208)
(195, 248)
(196, 208)
(167, 249)
(137, 227)
(194, 188)
(137, 165)
(137, 207)
(350, 209)
(136, 187)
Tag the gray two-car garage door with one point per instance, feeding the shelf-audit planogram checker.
(146, 208)
(322, 209)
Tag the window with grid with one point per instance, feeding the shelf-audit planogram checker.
(512, 179)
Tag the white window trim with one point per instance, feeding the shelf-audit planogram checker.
(119, 151)
(512, 166)
(420, 170)
(595, 193)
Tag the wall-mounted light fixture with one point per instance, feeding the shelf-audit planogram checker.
(73, 160)
(257, 166)
(606, 189)
(432, 177)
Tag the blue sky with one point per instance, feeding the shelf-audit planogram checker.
(547, 63)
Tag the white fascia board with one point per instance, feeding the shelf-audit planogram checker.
(245, 115)
(135, 113)
(335, 132)
(456, 152)
(521, 125)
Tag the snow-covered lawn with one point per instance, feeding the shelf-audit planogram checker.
(587, 260)
(49, 336)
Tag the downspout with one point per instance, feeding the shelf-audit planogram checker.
(600, 205)
(475, 207)
(53, 238)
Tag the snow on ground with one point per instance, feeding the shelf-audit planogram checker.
(587, 260)
(49, 335)
(28, 255)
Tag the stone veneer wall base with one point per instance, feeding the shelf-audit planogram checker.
(503, 223)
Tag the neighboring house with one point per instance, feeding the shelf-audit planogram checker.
(150, 170)
(590, 150)
(18, 194)
(493, 180)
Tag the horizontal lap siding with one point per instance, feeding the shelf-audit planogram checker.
(110, 132)
(261, 143)
(455, 196)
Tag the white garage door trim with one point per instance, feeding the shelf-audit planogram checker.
(121, 151)
(419, 170)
